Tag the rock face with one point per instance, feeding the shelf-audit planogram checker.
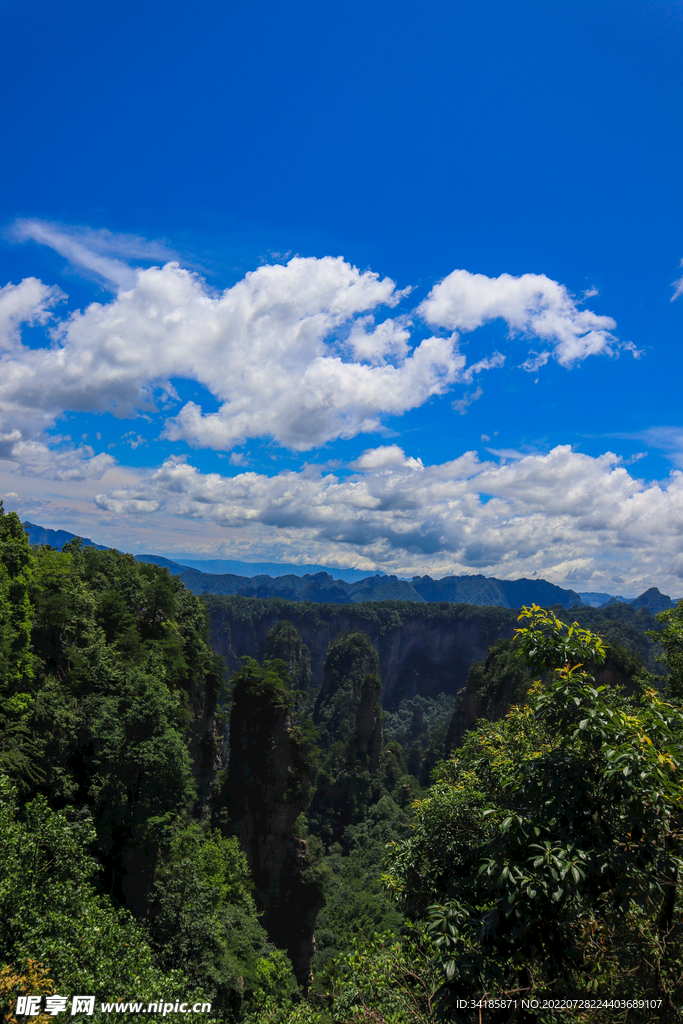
(348, 704)
(348, 716)
(267, 787)
(284, 641)
(492, 687)
(422, 649)
(205, 734)
(367, 734)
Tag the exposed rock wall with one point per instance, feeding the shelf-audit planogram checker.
(267, 787)
(368, 733)
(348, 716)
(422, 649)
(284, 641)
(347, 703)
(205, 738)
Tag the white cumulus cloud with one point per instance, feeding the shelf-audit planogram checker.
(532, 305)
(265, 349)
(29, 302)
(65, 462)
(386, 455)
(299, 353)
(560, 515)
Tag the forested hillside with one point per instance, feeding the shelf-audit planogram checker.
(344, 820)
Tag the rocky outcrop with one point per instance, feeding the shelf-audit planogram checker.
(205, 733)
(348, 716)
(347, 704)
(368, 733)
(492, 687)
(267, 787)
(283, 641)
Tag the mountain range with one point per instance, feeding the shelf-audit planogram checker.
(335, 586)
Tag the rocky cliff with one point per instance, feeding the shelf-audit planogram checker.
(422, 648)
(267, 787)
(348, 717)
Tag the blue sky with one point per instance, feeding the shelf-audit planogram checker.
(382, 285)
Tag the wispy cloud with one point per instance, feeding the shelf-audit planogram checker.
(489, 363)
(506, 454)
(461, 405)
(678, 286)
(665, 439)
(104, 255)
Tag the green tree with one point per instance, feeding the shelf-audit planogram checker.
(123, 703)
(18, 755)
(16, 565)
(51, 910)
(547, 856)
(203, 916)
(669, 636)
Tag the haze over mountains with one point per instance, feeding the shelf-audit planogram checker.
(347, 586)
(226, 565)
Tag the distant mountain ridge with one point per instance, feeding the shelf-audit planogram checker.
(491, 591)
(237, 568)
(597, 600)
(323, 587)
(57, 538)
(652, 599)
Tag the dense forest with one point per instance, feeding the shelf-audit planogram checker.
(312, 814)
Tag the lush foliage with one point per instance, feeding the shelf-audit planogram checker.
(163, 834)
(669, 637)
(203, 917)
(111, 877)
(51, 910)
(546, 858)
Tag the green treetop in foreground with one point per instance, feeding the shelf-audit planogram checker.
(546, 857)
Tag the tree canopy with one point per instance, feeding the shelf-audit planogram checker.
(546, 857)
